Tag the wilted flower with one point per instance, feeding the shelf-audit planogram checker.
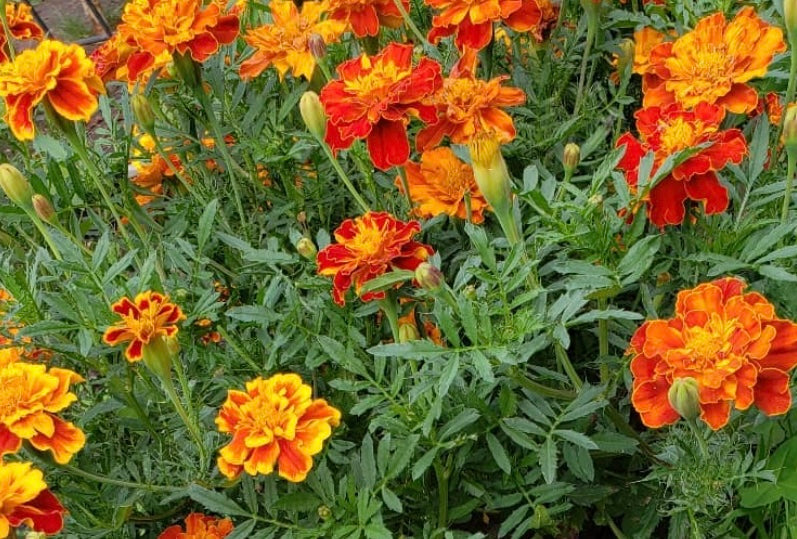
(25, 500)
(668, 130)
(440, 184)
(730, 342)
(30, 397)
(274, 423)
(375, 98)
(60, 74)
(199, 526)
(367, 247)
(286, 42)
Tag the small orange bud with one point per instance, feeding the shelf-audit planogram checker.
(428, 276)
(684, 397)
(306, 248)
(15, 185)
(313, 114)
(43, 208)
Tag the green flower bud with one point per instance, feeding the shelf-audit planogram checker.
(790, 128)
(790, 18)
(143, 112)
(684, 397)
(571, 157)
(313, 114)
(408, 332)
(158, 354)
(429, 277)
(15, 185)
(324, 512)
(306, 248)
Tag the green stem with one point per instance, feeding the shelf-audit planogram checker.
(563, 185)
(406, 186)
(45, 233)
(193, 428)
(411, 25)
(7, 31)
(442, 494)
(561, 355)
(343, 176)
(603, 342)
(117, 482)
(584, 62)
(790, 159)
(701, 439)
(790, 91)
(541, 389)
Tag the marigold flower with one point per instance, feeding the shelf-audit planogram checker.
(713, 63)
(466, 106)
(285, 43)
(61, 74)
(184, 27)
(30, 396)
(645, 40)
(367, 247)
(144, 319)
(772, 105)
(112, 56)
(668, 130)
(21, 25)
(199, 526)
(275, 422)
(440, 184)
(472, 20)
(374, 99)
(25, 500)
(731, 342)
(365, 17)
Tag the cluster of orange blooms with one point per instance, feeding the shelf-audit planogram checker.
(689, 83)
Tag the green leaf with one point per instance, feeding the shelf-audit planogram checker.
(243, 531)
(215, 502)
(548, 459)
(576, 438)
(387, 281)
(205, 224)
(450, 372)
(300, 502)
(402, 456)
(579, 462)
(777, 273)
(367, 461)
(424, 462)
(499, 454)
(391, 500)
(465, 418)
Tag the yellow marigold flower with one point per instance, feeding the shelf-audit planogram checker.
(30, 396)
(440, 183)
(275, 422)
(713, 63)
(147, 318)
(285, 44)
(61, 74)
(26, 500)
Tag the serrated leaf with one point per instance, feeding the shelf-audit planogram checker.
(499, 453)
(576, 438)
(215, 502)
(548, 459)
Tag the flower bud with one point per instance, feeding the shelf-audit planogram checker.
(324, 512)
(470, 292)
(158, 354)
(313, 114)
(790, 18)
(571, 157)
(428, 276)
(15, 185)
(188, 70)
(306, 248)
(790, 128)
(626, 55)
(408, 332)
(490, 172)
(684, 397)
(35, 535)
(143, 112)
(317, 46)
(43, 208)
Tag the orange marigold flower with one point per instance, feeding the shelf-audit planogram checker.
(199, 526)
(466, 106)
(440, 184)
(144, 319)
(30, 396)
(472, 20)
(111, 59)
(62, 74)
(374, 99)
(645, 40)
(25, 500)
(713, 63)
(364, 17)
(184, 27)
(367, 247)
(285, 43)
(773, 106)
(729, 341)
(21, 25)
(668, 130)
(275, 422)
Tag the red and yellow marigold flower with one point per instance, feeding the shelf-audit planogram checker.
(199, 526)
(668, 130)
(285, 43)
(21, 25)
(365, 17)
(30, 397)
(111, 60)
(466, 106)
(440, 183)
(472, 20)
(730, 342)
(61, 75)
(367, 247)
(183, 27)
(374, 99)
(274, 423)
(713, 63)
(25, 500)
(148, 317)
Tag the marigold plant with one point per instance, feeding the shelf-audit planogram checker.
(374, 100)
(25, 500)
(199, 526)
(730, 341)
(274, 423)
(60, 75)
(668, 130)
(367, 247)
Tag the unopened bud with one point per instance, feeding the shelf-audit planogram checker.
(43, 208)
(301, 217)
(470, 292)
(187, 69)
(790, 18)
(408, 332)
(626, 56)
(571, 157)
(143, 112)
(313, 114)
(15, 185)
(790, 128)
(490, 172)
(35, 535)
(158, 353)
(324, 512)
(317, 46)
(596, 199)
(428, 276)
(684, 397)
(306, 248)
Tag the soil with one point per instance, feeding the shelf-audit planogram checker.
(72, 20)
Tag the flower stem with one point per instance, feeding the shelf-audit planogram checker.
(45, 233)
(117, 482)
(701, 440)
(603, 342)
(343, 176)
(561, 355)
(193, 428)
(541, 389)
(442, 493)
(584, 61)
(411, 25)
(7, 31)
(784, 214)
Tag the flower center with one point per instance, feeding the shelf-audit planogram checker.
(11, 393)
(712, 63)
(710, 345)
(368, 243)
(678, 136)
(377, 84)
(274, 416)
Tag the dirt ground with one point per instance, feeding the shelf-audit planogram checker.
(72, 20)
